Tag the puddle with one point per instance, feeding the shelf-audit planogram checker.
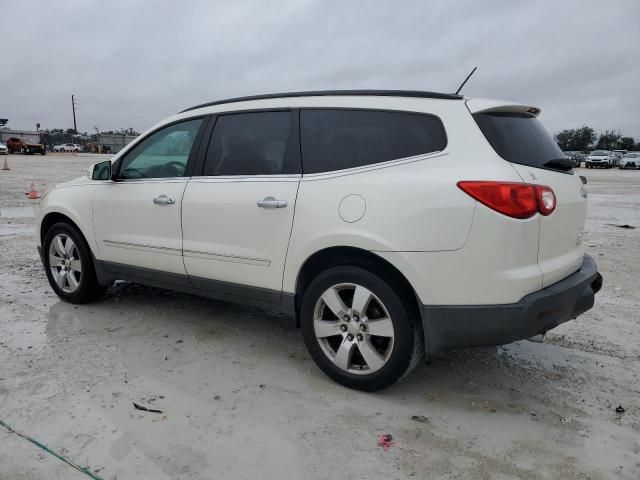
(17, 212)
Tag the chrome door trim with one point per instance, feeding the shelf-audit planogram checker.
(261, 262)
(143, 247)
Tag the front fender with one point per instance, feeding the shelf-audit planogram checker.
(74, 202)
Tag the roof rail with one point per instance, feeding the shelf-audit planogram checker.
(324, 93)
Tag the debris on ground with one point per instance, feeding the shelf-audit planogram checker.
(630, 227)
(145, 409)
(386, 441)
(620, 409)
(419, 418)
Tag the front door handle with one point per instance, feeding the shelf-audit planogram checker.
(163, 200)
(270, 202)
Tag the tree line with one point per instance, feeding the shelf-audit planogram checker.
(71, 131)
(584, 139)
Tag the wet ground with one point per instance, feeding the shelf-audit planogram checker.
(241, 398)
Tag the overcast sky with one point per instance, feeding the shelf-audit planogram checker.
(132, 63)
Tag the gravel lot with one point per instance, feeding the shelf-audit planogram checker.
(241, 399)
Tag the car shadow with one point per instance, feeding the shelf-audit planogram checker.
(149, 322)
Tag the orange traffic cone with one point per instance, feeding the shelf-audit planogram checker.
(32, 194)
(6, 165)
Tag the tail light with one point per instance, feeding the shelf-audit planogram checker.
(546, 199)
(516, 200)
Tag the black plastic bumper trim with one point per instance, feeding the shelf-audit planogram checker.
(448, 327)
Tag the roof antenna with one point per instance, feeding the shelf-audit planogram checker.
(466, 80)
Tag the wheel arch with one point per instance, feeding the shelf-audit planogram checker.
(341, 255)
(52, 218)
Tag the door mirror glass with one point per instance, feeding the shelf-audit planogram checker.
(101, 171)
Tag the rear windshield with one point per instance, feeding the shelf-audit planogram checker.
(519, 138)
(600, 153)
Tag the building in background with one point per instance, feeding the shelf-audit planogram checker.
(35, 137)
(111, 142)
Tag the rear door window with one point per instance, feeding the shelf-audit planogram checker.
(519, 138)
(335, 139)
(252, 143)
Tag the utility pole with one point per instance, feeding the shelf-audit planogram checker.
(73, 107)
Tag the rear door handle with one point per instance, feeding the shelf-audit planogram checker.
(270, 202)
(163, 200)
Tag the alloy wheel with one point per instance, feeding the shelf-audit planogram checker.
(353, 328)
(64, 263)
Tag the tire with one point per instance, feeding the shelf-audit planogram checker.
(392, 355)
(84, 287)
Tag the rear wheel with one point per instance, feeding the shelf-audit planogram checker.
(69, 265)
(359, 330)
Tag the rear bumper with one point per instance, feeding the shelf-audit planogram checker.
(486, 325)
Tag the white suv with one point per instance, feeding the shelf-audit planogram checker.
(600, 159)
(388, 223)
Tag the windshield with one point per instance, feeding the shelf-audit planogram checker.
(600, 153)
(519, 138)
(631, 155)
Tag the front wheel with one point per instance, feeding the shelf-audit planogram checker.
(69, 266)
(359, 330)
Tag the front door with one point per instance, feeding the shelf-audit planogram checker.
(237, 216)
(137, 215)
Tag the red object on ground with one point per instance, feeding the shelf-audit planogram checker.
(33, 194)
(386, 441)
(6, 165)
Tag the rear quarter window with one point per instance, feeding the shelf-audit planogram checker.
(336, 139)
(519, 138)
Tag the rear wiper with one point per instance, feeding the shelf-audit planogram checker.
(560, 164)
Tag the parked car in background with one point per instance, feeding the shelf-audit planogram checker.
(617, 156)
(3, 149)
(600, 159)
(577, 157)
(70, 147)
(25, 145)
(58, 148)
(630, 160)
(412, 232)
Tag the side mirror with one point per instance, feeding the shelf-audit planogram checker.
(101, 171)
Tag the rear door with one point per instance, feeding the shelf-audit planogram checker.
(238, 214)
(518, 137)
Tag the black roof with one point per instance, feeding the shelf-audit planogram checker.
(323, 93)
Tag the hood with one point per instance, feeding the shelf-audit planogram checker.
(82, 180)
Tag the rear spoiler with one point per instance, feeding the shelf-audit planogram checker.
(484, 105)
